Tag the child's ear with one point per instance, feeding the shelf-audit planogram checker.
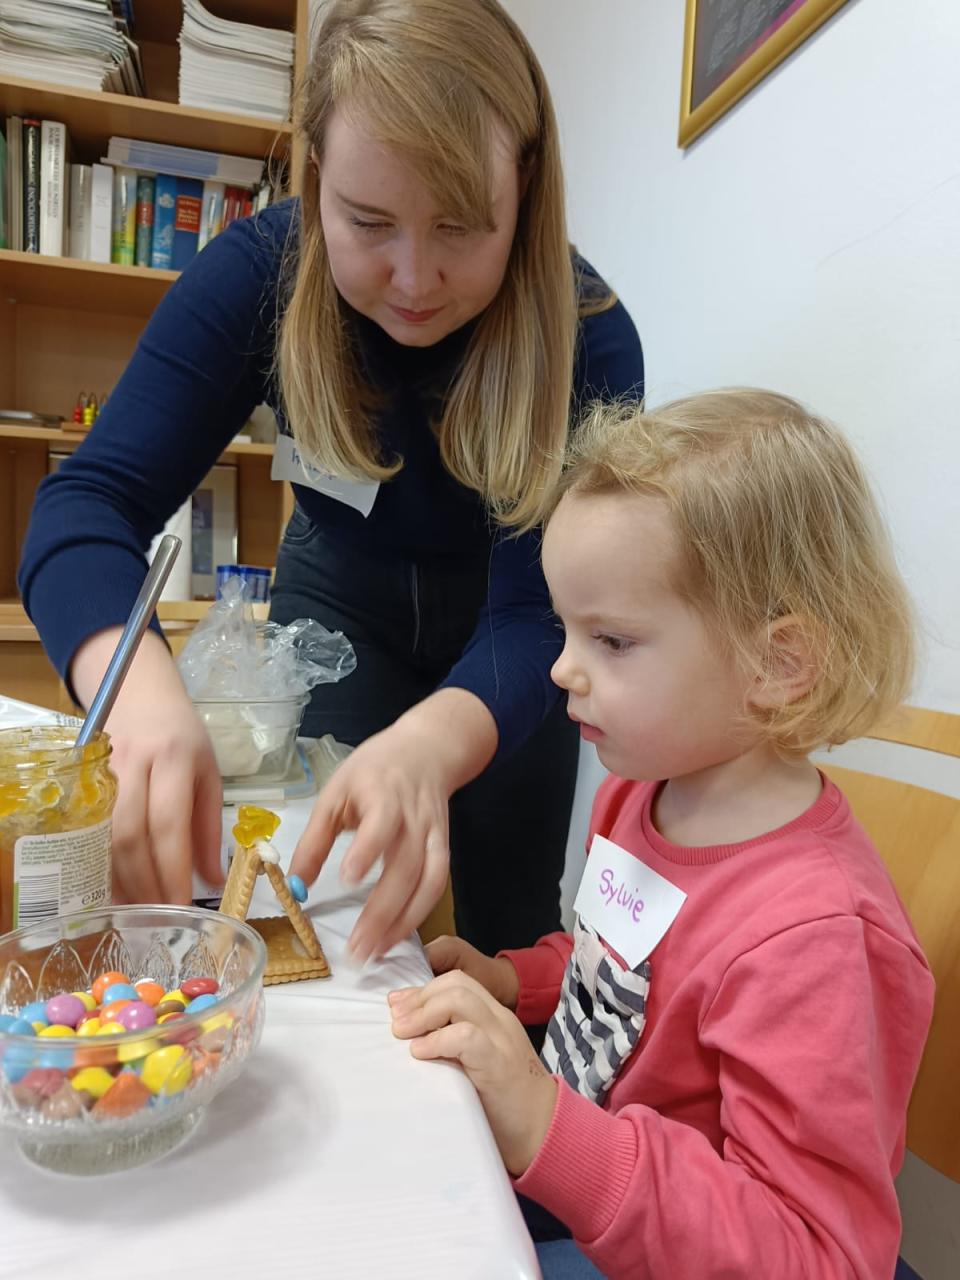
(789, 667)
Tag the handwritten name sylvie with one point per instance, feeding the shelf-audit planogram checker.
(617, 894)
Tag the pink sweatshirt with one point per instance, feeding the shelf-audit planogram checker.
(757, 1128)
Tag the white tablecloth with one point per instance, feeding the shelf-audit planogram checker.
(334, 1155)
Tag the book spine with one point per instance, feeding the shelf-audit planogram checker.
(145, 213)
(31, 185)
(101, 213)
(4, 232)
(123, 244)
(186, 223)
(81, 193)
(15, 182)
(211, 215)
(53, 187)
(164, 208)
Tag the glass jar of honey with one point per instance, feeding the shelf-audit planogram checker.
(56, 803)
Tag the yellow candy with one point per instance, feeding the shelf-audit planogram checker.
(175, 994)
(165, 1017)
(56, 1031)
(254, 824)
(95, 1080)
(38, 1026)
(86, 999)
(167, 1070)
(131, 1052)
(218, 1020)
(112, 1029)
(89, 1028)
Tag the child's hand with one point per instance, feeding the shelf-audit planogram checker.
(498, 976)
(455, 1018)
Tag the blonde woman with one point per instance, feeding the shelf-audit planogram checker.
(425, 334)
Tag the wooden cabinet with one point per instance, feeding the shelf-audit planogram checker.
(67, 325)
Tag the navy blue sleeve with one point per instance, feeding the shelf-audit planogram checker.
(517, 640)
(199, 369)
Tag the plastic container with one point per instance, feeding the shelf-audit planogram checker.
(56, 805)
(166, 945)
(253, 738)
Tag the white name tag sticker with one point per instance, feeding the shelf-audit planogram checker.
(289, 464)
(629, 904)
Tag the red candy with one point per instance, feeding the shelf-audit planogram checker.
(194, 987)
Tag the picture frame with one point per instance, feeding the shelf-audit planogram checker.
(729, 46)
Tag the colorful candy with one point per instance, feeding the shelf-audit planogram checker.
(194, 987)
(75, 1074)
(297, 888)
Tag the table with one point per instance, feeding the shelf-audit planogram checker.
(334, 1155)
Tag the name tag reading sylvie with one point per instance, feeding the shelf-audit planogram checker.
(629, 904)
(289, 464)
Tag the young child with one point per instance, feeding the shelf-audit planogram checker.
(739, 1016)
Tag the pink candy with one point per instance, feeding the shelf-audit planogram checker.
(64, 1010)
(136, 1016)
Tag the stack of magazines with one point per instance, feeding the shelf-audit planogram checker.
(81, 43)
(232, 66)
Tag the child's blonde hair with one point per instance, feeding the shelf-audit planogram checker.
(431, 79)
(775, 518)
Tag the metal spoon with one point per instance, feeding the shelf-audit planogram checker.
(129, 642)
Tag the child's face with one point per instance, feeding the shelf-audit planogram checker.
(643, 676)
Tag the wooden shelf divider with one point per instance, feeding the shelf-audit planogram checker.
(92, 117)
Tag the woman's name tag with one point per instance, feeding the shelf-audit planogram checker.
(289, 464)
(629, 904)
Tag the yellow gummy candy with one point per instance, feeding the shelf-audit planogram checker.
(254, 824)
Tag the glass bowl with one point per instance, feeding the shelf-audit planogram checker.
(62, 1127)
(253, 738)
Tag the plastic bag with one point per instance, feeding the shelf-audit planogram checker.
(231, 655)
(250, 681)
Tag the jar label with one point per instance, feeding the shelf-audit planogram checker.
(58, 873)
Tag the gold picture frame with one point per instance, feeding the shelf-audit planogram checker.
(720, 65)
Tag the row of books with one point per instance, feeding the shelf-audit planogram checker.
(82, 43)
(130, 209)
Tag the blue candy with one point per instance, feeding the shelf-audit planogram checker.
(120, 991)
(7, 1020)
(201, 1002)
(62, 1059)
(21, 1027)
(297, 888)
(17, 1061)
(36, 1012)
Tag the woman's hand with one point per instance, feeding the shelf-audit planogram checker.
(494, 973)
(394, 793)
(455, 1018)
(169, 801)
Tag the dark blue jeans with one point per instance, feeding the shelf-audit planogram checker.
(409, 623)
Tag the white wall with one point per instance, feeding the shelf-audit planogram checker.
(809, 242)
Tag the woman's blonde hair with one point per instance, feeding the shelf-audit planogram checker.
(430, 79)
(775, 519)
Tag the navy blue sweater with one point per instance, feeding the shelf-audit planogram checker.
(204, 362)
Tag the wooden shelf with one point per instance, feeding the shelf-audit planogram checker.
(82, 286)
(60, 441)
(93, 117)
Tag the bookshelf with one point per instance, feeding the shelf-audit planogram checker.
(68, 325)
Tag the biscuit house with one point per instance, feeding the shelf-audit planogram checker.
(293, 949)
